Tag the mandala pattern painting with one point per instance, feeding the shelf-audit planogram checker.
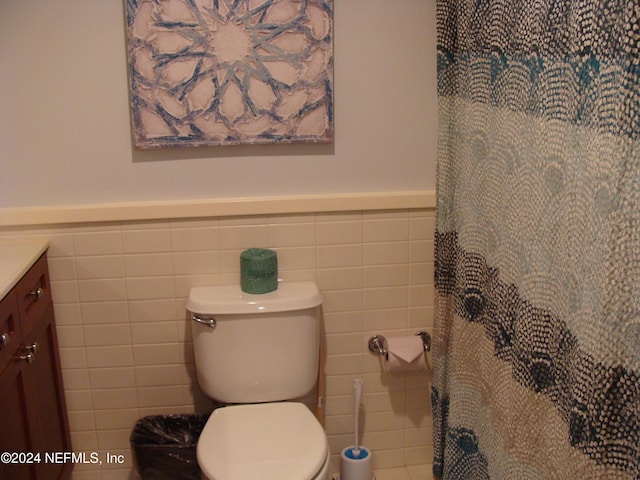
(225, 72)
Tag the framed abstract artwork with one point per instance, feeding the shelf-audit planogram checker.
(227, 72)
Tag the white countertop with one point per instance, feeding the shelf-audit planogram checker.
(16, 258)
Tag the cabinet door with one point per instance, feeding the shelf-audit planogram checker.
(14, 424)
(34, 295)
(52, 434)
(33, 413)
(10, 331)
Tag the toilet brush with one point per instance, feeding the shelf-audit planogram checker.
(355, 461)
(357, 394)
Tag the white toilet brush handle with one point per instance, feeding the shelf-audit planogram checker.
(357, 394)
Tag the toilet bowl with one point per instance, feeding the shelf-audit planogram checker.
(256, 353)
(269, 441)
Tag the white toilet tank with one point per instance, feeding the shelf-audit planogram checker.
(263, 348)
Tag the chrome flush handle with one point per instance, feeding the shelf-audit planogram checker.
(209, 322)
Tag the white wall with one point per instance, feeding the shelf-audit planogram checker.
(64, 118)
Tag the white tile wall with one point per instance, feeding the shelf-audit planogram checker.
(120, 288)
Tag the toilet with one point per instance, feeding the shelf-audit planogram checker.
(255, 353)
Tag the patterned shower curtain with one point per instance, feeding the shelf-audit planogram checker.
(537, 330)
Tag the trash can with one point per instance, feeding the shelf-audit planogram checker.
(164, 446)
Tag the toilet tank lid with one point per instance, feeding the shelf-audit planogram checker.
(230, 299)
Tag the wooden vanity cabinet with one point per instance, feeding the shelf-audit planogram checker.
(33, 414)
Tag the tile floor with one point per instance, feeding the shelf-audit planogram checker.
(414, 472)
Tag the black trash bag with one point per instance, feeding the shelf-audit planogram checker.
(164, 446)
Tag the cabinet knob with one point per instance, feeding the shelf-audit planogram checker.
(29, 358)
(4, 339)
(38, 292)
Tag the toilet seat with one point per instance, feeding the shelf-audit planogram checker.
(269, 441)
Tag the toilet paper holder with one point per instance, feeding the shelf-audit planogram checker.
(376, 343)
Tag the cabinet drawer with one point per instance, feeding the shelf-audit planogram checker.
(34, 294)
(10, 331)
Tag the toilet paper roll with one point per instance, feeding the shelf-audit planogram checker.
(258, 270)
(406, 354)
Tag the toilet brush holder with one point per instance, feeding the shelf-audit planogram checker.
(356, 465)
